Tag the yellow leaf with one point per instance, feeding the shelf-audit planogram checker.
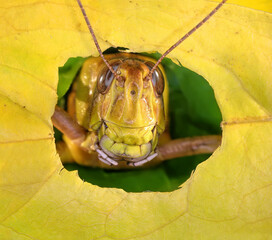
(229, 196)
(264, 5)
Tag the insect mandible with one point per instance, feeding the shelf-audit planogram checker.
(117, 112)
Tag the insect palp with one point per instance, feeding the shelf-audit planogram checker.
(104, 161)
(105, 157)
(136, 164)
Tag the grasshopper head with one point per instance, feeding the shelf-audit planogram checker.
(130, 108)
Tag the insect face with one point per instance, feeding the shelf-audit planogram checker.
(130, 109)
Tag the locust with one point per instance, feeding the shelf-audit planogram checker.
(117, 112)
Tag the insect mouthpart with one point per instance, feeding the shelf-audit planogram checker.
(133, 145)
(111, 152)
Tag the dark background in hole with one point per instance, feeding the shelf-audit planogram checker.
(193, 111)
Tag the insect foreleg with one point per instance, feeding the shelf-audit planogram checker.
(68, 126)
(188, 147)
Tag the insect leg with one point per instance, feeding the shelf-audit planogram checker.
(188, 147)
(68, 126)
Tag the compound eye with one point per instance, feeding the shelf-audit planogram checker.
(157, 79)
(105, 78)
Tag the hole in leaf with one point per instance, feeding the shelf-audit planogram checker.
(193, 111)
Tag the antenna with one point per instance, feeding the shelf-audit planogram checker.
(95, 40)
(149, 76)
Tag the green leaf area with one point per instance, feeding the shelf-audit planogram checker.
(193, 111)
